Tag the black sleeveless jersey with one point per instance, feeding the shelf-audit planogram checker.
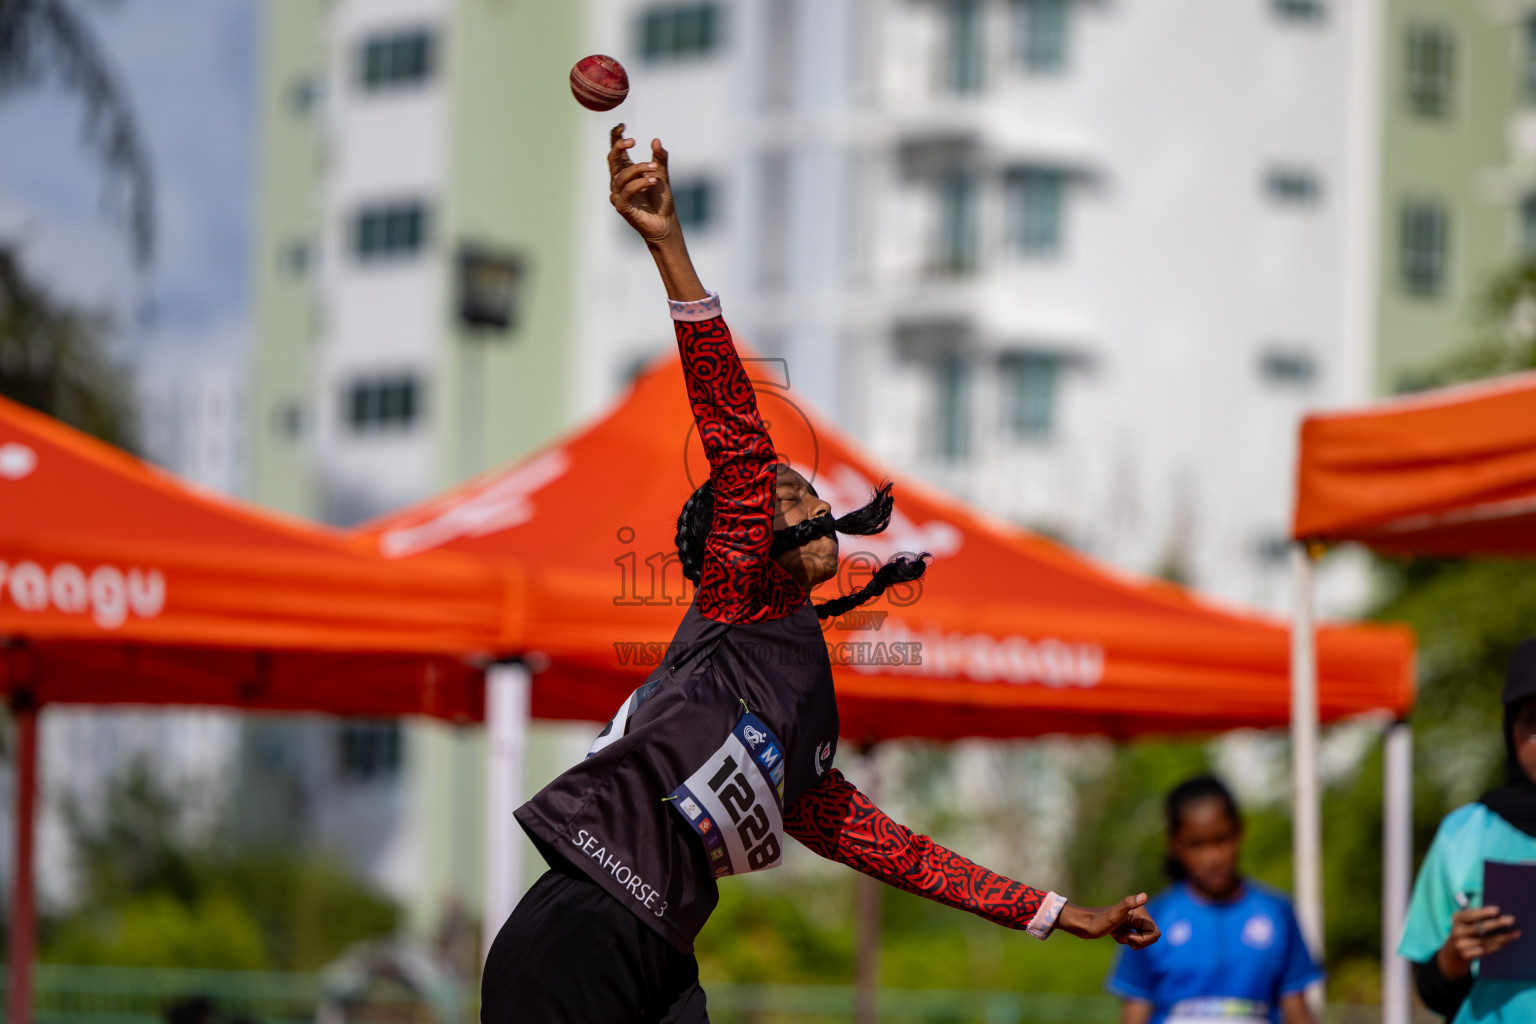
(688, 781)
(729, 744)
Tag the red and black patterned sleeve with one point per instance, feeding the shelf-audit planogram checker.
(740, 582)
(838, 822)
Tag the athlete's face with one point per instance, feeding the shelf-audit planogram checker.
(1207, 844)
(795, 500)
(1524, 729)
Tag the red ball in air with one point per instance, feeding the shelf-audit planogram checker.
(599, 82)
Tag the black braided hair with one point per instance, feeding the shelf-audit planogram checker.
(899, 569)
(693, 530)
(693, 524)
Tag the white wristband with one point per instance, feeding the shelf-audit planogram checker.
(695, 310)
(1044, 921)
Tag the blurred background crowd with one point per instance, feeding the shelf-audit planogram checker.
(1081, 263)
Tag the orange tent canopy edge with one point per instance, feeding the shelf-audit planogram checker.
(1009, 634)
(1450, 472)
(120, 583)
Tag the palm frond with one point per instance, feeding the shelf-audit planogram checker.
(40, 39)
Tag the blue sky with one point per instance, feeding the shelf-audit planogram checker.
(190, 71)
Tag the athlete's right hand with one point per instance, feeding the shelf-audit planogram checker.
(1127, 922)
(642, 193)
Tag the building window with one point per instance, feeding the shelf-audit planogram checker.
(952, 381)
(773, 199)
(396, 59)
(1430, 67)
(678, 32)
(389, 231)
(1028, 382)
(1298, 10)
(1423, 243)
(288, 420)
(1528, 228)
(383, 404)
(779, 80)
(1040, 34)
(369, 750)
(696, 203)
(297, 258)
(1528, 68)
(1035, 197)
(957, 224)
(1272, 550)
(964, 47)
(1292, 186)
(304, 95)
(1287, 367)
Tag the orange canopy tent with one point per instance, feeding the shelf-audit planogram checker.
(1444, 472)
(1008, 635)
(120, 584)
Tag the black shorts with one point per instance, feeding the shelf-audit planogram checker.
(572, 954)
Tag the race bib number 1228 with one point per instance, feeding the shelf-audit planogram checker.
(733, 800)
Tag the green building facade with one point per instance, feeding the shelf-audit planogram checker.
(1457, 176)
(413, 320)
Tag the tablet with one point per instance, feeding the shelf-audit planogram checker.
(1511, 888)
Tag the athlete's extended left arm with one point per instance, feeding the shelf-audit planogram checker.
(838, 822)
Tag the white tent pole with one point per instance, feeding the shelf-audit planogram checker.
(1306, 819)
(1397, 867)
(506, 728)
(23, 911)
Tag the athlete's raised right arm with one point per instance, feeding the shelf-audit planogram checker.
(740, 453)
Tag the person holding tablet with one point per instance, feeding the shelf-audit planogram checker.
(1449, 930)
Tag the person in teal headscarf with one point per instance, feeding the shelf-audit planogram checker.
(1448, 931)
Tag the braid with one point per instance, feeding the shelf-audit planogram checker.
(694, 520)
(693, 530)
(900, 569)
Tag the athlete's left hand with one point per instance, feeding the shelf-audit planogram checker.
(1127, 922)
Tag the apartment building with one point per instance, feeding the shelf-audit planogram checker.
(412, 303)
(1082, 264)
(1456, 206)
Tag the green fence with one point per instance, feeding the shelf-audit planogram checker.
(141, 995)
(833, 1004)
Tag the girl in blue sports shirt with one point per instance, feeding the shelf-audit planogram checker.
(1231, 951)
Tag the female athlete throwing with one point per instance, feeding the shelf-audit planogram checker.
(726, 750)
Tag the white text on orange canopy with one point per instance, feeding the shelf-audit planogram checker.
(500, 505)
(108, 593)
(987, 659)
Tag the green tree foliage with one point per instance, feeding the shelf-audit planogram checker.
(153, 893)
(799, 931)
(54, 359)
(1504, 336)
(1117, 841)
